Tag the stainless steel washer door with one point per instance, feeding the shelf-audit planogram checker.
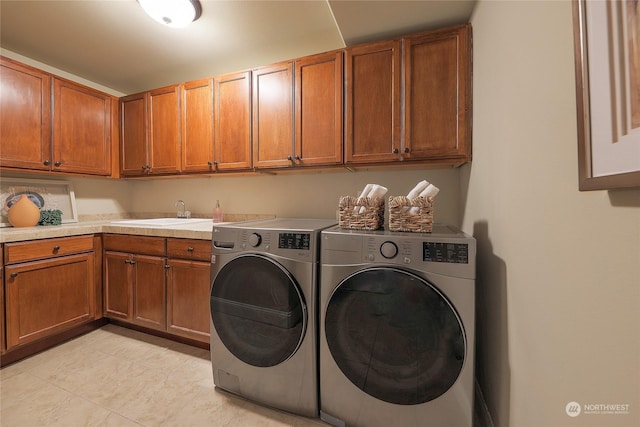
(394, 335)
(258, 310)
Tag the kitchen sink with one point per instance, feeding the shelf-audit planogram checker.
(160, 222)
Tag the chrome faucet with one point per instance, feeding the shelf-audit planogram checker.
(182, 213)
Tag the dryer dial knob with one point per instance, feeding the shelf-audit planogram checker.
(389, 250)
(255, 239)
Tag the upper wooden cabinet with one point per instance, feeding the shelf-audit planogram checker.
(81, 129)
(410, 99)
(150, 129)
(25, 116)
(164, 130)
(297, 112)
(437, 95)
(133, 134)
(273, 116)
(318, 109)
(60, 127)
(373, 102)
(197, 126)
(233, 122)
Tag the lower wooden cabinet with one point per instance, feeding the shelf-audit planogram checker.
(188, 276)
(188, 299)
(135, 288)
(159, 283)
(3, 345)
(134, 280)
(49, 287)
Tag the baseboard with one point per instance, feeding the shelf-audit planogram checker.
(482, 416)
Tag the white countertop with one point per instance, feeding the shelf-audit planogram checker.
(197, 230)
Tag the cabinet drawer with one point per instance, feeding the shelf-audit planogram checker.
(134, 244)
(46, 248)
(189, 249)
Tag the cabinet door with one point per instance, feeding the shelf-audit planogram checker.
(197, 126)
(188, 299)
(149, 295)
(233, 121)
(2, 310)
(25, 116)
(81, 129)
(48, 296)
(164, 130)
(273, 116)
(118, 277)
(318, 107)
(133, 133)
(373, 103)
(437, 98)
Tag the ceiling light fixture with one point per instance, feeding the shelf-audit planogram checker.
(172, 13)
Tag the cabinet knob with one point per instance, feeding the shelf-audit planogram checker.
(56, 248)
(298, 158)
(406, 149)
(47, 162)
(396, 151)
(190, 249)
(58, 163)
(290, 158)
(13, 275)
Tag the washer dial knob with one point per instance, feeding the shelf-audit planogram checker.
(255, 239)
(389, 250)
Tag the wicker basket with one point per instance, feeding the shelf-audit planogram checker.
(415, 215)
(361, 213)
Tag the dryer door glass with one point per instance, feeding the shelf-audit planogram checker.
(258, 310)
(395, 336)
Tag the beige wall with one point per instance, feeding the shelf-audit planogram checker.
(559, 270)
(291, 195)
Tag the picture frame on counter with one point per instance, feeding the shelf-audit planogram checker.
(607, 69)
(46, 194)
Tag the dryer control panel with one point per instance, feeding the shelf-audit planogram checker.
(457, 253)
(450, 254)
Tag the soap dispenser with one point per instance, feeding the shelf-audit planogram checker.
(217, 212)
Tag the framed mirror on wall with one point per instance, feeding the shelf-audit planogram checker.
(607, 65)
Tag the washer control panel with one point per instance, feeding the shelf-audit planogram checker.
(457, 253)
(448, 252)
(300, 241)
(406, 251)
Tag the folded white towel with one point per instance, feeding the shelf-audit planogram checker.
(430, 191)
(418, 189)
(375, 191)
(367, 190)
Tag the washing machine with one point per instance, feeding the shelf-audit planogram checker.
(397, 328)
(263, 301)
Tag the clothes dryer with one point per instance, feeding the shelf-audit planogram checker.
(397, 328)
(263, 301)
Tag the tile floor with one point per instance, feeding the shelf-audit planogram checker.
(118, 377)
